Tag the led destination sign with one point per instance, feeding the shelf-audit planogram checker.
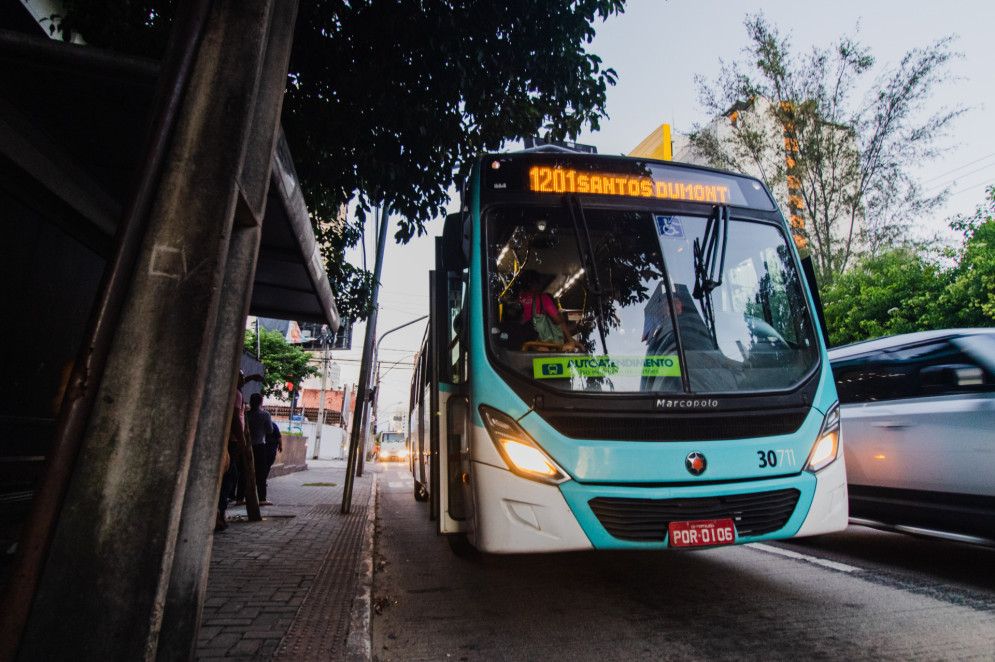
(619, 177)
(691, 186)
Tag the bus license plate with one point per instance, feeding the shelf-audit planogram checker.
(702, 532)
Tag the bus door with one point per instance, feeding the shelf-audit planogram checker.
(450, 429)
(417, 428)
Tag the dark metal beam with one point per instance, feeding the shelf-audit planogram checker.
(107, 577)
(188, 578)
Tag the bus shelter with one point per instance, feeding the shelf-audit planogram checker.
(147, 207)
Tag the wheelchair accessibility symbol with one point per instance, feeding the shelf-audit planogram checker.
(670, 226)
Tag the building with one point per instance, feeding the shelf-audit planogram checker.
(776, 166)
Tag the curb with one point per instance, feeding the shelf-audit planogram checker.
(358, 646)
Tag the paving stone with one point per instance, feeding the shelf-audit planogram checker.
(271, 581)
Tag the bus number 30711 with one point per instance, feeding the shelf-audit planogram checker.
(771, 458)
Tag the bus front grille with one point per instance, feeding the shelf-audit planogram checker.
(680, 427)
(647, 520)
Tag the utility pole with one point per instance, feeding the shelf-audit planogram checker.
(363, 394)
(321, 402)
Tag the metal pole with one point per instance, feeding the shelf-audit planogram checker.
(374, 414)
(130, 475)
(365, 439)
(376, 362)
(396, 328)
(362, 396)
(321, 403)
(370, 419)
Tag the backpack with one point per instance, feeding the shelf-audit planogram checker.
(548, 330)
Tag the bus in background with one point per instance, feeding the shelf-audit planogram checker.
(392, 446)
(691, 403)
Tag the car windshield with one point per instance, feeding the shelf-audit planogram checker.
(615, 281)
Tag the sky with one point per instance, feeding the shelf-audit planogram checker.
(657, 47)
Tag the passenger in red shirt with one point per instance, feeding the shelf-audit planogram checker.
(531, 287)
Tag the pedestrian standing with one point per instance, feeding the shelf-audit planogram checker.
(236, 442)
(274, 444)
(260, 424)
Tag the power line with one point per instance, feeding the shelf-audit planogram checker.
(950, 172)
(953, 181)
(971, 189)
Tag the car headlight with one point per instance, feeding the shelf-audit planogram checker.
(827, 444)
(519, 451)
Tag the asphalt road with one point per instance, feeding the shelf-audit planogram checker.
(858, 595)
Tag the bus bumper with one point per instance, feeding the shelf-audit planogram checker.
(521, 515)
(830, 509)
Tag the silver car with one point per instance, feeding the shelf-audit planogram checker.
(918, 416)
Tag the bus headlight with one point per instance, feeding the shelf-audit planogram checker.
(827, 444)
(519, 451)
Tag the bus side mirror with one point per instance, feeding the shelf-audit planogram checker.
(808, 270)
(455, 244)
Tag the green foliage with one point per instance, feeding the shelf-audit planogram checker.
(850, 170)
(387, 99)
(284, 362)
(969, 299)
(879, 296)
(905, 289)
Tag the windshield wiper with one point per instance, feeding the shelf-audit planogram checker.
(710, 262)
(587, 260)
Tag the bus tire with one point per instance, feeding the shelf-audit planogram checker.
(460, 546)
(421, 494)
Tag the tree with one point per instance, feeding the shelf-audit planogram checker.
(388, 99)
(845, 162)
(882, 295)
(284, 362)
(969, 298)
(916, 289)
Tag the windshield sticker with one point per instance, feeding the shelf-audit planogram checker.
(606, 366)
(669, 227)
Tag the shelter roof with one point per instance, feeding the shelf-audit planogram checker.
(75, 121)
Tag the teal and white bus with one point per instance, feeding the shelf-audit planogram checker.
(695, 405)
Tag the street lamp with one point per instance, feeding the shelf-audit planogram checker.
(326, 335)
(376, 385)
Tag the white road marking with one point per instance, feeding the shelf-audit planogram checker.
(842, 567)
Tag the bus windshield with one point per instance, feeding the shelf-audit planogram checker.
(649, 317)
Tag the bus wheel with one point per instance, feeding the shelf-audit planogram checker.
(460, 546)
(421, 494)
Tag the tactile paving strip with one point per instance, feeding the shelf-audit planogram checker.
(319, 629)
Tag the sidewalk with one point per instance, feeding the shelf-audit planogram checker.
(295, 586)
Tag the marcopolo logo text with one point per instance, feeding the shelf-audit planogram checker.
(668, 403)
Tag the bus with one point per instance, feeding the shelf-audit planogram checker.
(392, 446)
(691, 405)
